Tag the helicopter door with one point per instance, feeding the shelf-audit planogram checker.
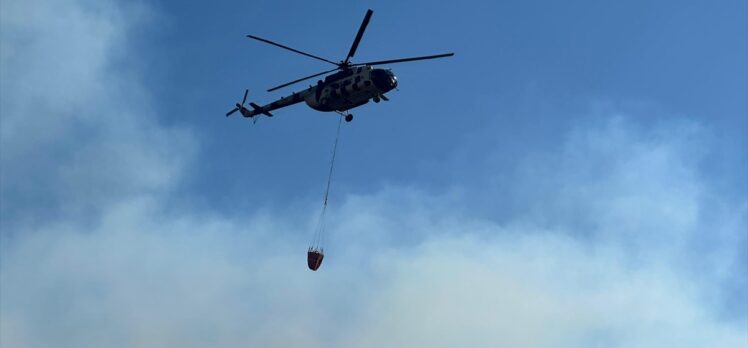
(343, 89)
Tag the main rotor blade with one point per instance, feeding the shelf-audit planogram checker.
(246, 91)
(290, 49)
(301, 79)
(360, 33)
(401, 60)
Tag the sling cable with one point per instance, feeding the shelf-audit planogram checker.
(316, 251)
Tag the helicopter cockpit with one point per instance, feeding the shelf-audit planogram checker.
(384, 79)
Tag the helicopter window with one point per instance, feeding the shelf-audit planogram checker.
(358, 78)
(359, 69)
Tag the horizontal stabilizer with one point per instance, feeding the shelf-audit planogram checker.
(260, 109)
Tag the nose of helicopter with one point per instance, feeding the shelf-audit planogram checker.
(384, 80)
(393, 79)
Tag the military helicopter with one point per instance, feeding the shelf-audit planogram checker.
(351, 86)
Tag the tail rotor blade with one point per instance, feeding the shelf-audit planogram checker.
(239, 106)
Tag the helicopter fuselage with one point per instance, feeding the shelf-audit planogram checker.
(341, 91)
(350, 88)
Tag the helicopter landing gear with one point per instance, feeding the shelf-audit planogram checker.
(376, 99)
(348, 116)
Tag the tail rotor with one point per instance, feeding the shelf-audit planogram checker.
(239, 106)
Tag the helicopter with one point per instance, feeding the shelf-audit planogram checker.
(350, 86)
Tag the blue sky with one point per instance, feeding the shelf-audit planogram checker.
(575, 176)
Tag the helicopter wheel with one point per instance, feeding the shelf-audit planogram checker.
(349, 117)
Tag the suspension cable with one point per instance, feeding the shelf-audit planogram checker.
(332, 162)
(319, 233)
